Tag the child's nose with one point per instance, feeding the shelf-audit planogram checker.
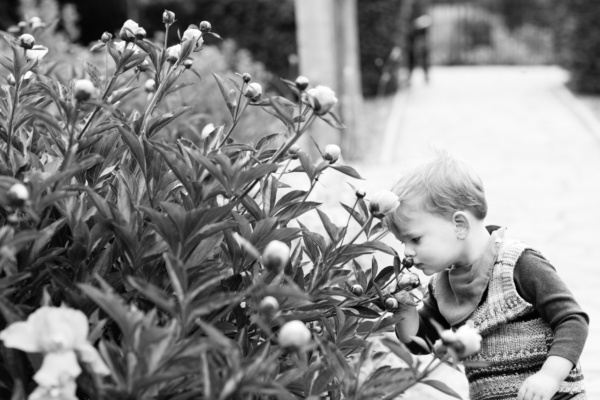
(409, 251)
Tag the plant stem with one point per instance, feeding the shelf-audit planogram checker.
(348, 221)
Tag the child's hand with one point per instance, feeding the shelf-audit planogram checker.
(539, 386)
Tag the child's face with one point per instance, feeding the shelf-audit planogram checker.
(431, 241)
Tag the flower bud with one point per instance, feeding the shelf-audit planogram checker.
(11, 80)
(26, 41)
(405, 298)
(17, 194)
(358, 290)
(269, 305)
(469, 339)
(246, 77)
(207, 130)
(302, 83)
(193, 34)
(391, 303)
(168, 17)
(150, 86)
(383, 203)
(408, 262)
(173, 53)
(128, 30)
(276, 255)
(140, 33)
(143, 66)
(205, 26)
(293, 151)
(106, 37)
(294, 334)
(322, 99)
(188, 63)
(408, 281)
(331, 153)
(83, 89)
(253, 91)
(360, 193)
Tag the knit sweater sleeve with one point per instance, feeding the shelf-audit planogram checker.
(538, 283)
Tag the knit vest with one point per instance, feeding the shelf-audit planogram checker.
(515, 341)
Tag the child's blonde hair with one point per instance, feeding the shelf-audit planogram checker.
(441, 186)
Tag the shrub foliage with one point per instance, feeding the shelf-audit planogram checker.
(159, 240)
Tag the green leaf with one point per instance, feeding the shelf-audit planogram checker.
(281, 107)
(134, 145)
(345, 169)
(158, 123)
(225, 93)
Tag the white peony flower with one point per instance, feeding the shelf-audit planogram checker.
(60, 333)
(173, 53)
(37, 52)
(322, 99)
(383, 203)
(194, 35)
(128, 30)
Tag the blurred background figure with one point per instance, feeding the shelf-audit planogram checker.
(417, 39)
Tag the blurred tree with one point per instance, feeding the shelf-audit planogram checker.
(577, 37)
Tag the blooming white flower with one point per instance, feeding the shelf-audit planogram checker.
(294, 334)
(37, 52)
(173, 53)
(128, 30)
(120, 46)
(276, 255)
(331, 153)
(194, 35)
(322, 99)
(65, 391)
(383, 203)
(253, 91)
(83, 89)
(60, 333)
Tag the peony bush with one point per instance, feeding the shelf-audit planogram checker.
(136, 264)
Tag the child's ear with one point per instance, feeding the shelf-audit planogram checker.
(462, 224)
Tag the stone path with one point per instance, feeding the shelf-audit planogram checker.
(538, 153)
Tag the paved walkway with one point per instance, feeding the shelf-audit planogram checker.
(538, 153)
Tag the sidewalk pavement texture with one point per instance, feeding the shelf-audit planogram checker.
(538, 152)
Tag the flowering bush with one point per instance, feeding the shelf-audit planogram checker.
(181, 261)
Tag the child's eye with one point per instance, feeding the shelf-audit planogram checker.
(415, 240)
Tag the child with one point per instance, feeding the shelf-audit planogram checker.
(533, 330)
